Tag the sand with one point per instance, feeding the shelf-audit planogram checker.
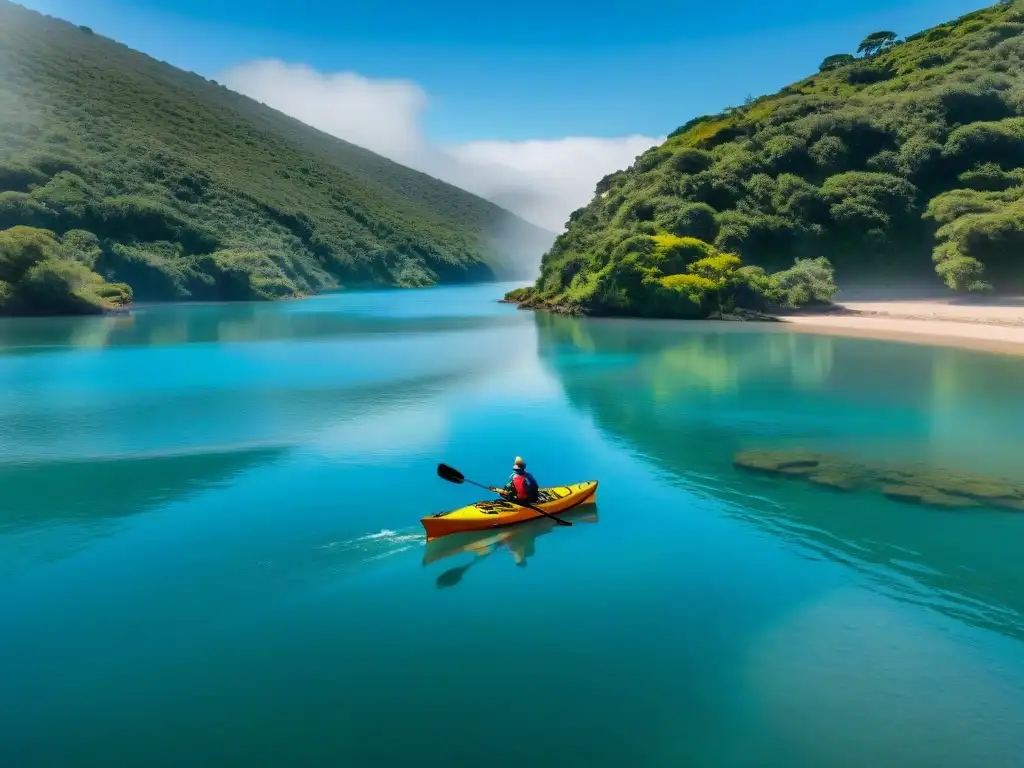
(993, 327)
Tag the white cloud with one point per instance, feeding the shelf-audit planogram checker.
(541, 180)
(381, 115)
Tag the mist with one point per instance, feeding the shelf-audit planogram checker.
(542, 181)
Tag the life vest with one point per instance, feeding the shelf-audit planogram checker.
(525, 489)
(522, 486)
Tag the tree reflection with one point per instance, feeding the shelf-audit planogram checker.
(689, 396)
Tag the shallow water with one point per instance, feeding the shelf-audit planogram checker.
(210, 550)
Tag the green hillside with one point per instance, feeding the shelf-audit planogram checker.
(184, 190)
(904, 162)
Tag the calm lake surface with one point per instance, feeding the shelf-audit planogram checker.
(210, 550)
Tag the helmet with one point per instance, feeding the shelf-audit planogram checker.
(519, 463)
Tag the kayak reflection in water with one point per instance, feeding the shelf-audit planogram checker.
(519, 540)
(521, 484)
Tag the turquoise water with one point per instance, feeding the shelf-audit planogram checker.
(210, 551)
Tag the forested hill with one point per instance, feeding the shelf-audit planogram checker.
(897, 160)
(156, 177)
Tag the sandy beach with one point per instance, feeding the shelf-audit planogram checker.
(993, 327)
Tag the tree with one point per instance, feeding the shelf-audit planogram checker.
(720, 270)
(21, 248)
(808, 281)
(835, 61)
(963, 273)
(877, 42)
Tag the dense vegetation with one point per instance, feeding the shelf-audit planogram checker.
(901, 162)
(684, 277)
(184, 190)
(40, 274)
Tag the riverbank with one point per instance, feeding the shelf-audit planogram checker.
(524, 300)
(992, 327)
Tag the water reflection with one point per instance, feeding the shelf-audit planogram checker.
(320, 318)
(105, 418)
(82, 491)
(688, 397)
(518, 540)
(50, 510)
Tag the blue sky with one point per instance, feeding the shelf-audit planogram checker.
(544, 70)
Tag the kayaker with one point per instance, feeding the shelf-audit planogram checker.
(521, 484)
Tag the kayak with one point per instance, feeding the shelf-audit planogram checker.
(481, 542)
(495, 513)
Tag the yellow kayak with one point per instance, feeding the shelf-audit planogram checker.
(495, 513)
(482, 542)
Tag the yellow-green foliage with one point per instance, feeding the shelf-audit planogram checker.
(21, 247)
(873, 161)
(665, 275)
(717, 269)
(673, 254)
(702, 133)
(39, 274)
(666, 241)
(689, 282)
(694, 286)
(670, 246)
(711, 274)
(759, 111)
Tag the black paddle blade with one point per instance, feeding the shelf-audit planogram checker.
(451, 474)
(452, 576)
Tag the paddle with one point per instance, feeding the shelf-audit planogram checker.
(453, 475)
(453, 576)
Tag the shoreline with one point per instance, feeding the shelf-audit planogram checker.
(995, 328)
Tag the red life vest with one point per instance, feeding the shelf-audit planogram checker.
(520, 484)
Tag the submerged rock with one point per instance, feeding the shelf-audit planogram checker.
(838, 480)
(778, 462)
(905, 483)
(917, 495)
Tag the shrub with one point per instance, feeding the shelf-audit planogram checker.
(962, 273)
(807, 282)
(696, 220)
(64, 287)
(247, 275)
(673, 254)
(867, 74)
(80, 245)
(23, 247)
(517, 295)
(999, 142)
(993, 238)
(59, 287)
(691, 160)
(989, 177)
(20, 208)
(835, 61)
(829, 153)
